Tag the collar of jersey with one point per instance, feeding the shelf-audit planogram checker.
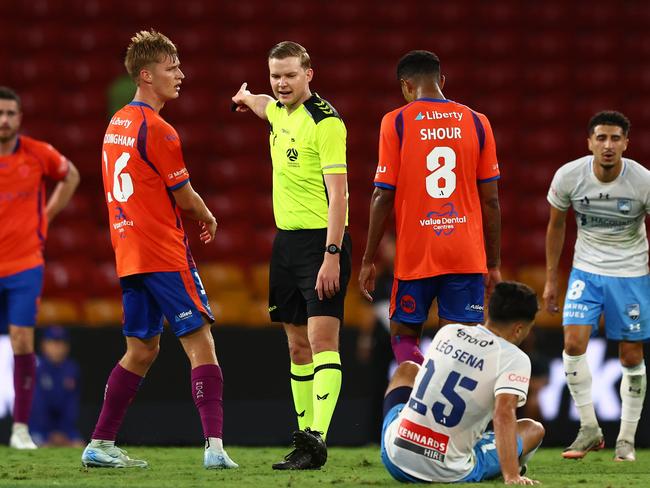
(427, 99)
(483, 327)
(141, 104)
(595, 178)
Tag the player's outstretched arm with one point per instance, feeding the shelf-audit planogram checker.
(63, 192)
(194, 207)
(555, 232)
(505, 431)
(491, 212)
(381, 204)
(245, 100)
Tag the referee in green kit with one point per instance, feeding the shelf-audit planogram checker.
(311, 260)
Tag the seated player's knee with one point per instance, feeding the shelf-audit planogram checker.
(538, 431)
(405, 374)
(532, 431)
(407, 369)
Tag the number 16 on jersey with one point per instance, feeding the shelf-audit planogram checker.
(122, 187)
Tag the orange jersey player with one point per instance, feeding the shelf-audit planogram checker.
(25, 163)
(431, 153)
(438, 168)
(147, 188)
(142, 165)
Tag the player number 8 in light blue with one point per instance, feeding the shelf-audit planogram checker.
(458, 405)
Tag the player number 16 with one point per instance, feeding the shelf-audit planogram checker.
(122, 182)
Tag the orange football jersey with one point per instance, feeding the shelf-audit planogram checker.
(22, 202)
(142, 163)
(434, 153)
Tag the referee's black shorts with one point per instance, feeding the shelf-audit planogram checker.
(297, 257)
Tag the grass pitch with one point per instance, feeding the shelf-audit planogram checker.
(347, 467)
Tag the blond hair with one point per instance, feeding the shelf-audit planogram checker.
(290, 49)
(147, 47)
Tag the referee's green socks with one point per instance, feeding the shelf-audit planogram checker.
(302, 380)
(327, 386)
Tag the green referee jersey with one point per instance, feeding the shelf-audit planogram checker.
(305, 145)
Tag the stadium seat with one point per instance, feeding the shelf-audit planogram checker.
(257, 314)
(358, 312)
(231, 307)
(259, 282)
(58, 311)
(221, 277)
(102, 312)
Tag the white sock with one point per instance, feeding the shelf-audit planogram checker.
(633, 387)
(19, 426)
(578, 379)
(214, 443)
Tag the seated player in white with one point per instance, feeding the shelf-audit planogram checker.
(435, 415)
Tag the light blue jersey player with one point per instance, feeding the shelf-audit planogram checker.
(435, 415)
(610, 196)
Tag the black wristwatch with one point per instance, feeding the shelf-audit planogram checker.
(333, 249)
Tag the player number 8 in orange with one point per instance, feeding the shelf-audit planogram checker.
(122, 182)
(441, 161)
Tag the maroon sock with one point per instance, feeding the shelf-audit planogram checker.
(207, 392)
(121, 387)
(405, 348)
(24, 377)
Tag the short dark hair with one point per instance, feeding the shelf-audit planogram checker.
(511, 302)
(418, 63)
(610, 117)
(7, 93)
(289, 49)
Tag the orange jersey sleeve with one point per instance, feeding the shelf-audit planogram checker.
(164, 152)
(434, 154)
(488, 166)
(389, 152)
(22, 202)
(142, 164)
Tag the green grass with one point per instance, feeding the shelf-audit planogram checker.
(347, 467)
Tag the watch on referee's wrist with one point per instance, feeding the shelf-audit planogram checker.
(333, 249)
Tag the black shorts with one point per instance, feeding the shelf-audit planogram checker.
(297, 257)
